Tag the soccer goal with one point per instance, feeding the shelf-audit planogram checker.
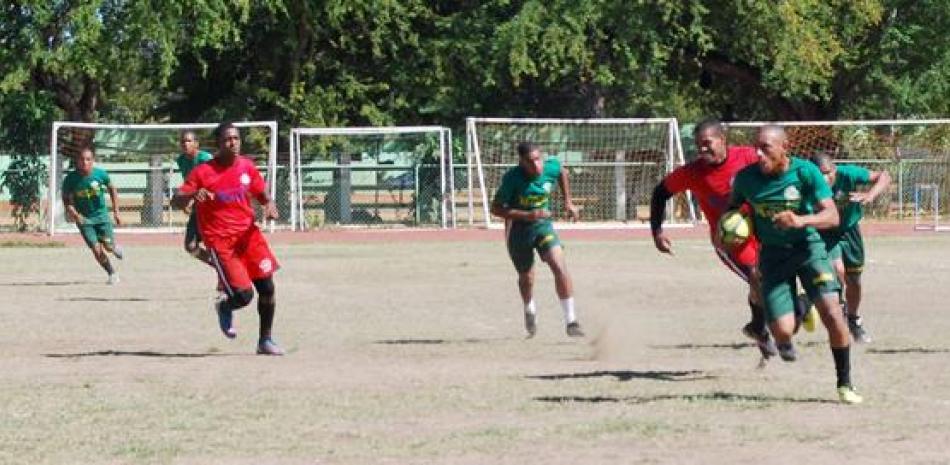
(914, 152)
(372, 177)
(614, 164)
(140, 160)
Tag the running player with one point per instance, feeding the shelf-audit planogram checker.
(844, 243)
(84, 202)
(222, 189)
(189, 158)
(523, 200)
(790, 200)
(709, 177)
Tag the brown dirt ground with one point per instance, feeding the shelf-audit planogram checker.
(407, 347)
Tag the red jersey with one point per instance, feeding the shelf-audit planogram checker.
(712, 185)
(229, 213)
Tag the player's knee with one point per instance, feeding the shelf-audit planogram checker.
(265, 289)
(241, 298)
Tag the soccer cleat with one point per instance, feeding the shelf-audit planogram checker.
(530, 324)
(787, 351)
(856, 326)
(117, 251)
(225, 318)
(762, 340)
(848, 395)
(267, 346)
(810, 320)
(113, 279)
(574, 330)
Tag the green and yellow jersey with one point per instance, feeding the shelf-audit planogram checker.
(847, 180)
(88, 194)
(186, 163)
(519, 192)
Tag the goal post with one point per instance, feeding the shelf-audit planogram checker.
(372, 177)
(140, 160)
(914, 152)
(614, 164)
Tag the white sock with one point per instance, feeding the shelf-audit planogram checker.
(568, 306)
(530, 308)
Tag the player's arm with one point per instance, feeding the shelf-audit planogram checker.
(879, 180)
(825, 218)
(661, 195)
(565, 184)
(114, 196)
(70, 208)
(258, 189)
(191, 190)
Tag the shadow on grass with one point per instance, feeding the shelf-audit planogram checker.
(102, 299)
(716, 396)
(46, 283)
(430, 342)
(136, 353)
(627, 375)
(908, 350)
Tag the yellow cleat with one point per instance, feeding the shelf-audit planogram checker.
(848, 395)
(810, 320)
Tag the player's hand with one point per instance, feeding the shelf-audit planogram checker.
(539, 214)
(78, 219)
(663, 243)
(187, 208)
(573, 213)
(203, 195)
(861, 197)
(788, 220)
(118, 221)
(270, 211)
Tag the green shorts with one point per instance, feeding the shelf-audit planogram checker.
(526, 237)
(808, 261)
(849, 247)
(99, 231)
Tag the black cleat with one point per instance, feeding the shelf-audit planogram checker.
(762, 340)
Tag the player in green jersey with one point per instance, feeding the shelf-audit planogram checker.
(844, 243)
(790, 200)
(189, 158)
(84, 202)
(523, 200)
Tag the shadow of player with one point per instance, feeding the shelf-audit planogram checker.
(627, 375)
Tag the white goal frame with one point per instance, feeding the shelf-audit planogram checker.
(56, 211)
(674, 158)
(446, 183)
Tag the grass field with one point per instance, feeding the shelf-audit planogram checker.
(413, 352)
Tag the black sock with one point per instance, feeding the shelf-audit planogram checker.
(842, 357)
(758, 318)
(266, 312)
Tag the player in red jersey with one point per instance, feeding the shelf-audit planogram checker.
(222, 189)
(709, 177)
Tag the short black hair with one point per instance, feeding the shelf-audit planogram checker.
(218, 131)
(187, 132)
(525, 149)
(821, 158)
(709, 123)
(85, 147)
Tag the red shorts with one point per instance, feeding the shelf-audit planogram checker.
(742, 259)
(242, 259)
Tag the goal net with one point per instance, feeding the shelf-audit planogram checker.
(914, 152)
(613, 166)
(372, 177)
(140, 160)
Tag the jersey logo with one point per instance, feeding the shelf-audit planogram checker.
(791, 193)
(94, 184)
(547, 187)
(245, 179)
(266, 265)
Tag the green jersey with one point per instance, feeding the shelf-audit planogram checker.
(798, 189)
(519, 192)
(186, 163)
(847, 180)
(88, 194)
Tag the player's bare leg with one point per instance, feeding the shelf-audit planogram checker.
(564, 286)
(99, 252)
(526, 288)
